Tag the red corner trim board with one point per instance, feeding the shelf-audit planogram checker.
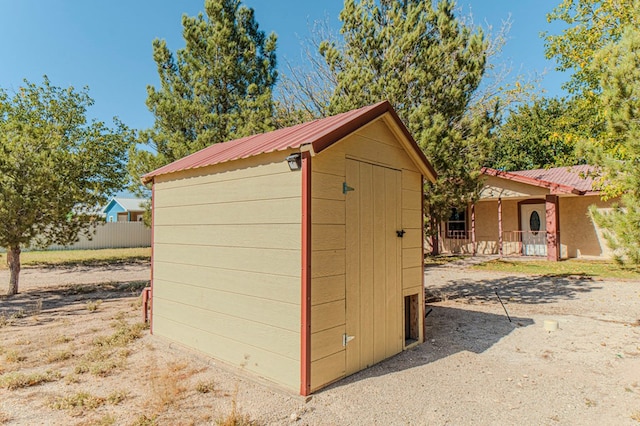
(305, 331)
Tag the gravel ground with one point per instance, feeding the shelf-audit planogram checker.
(43, 278)
(476, 366)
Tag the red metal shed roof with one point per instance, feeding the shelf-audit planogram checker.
(570, 179)
(320, 133)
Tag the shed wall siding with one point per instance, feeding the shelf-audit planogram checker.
(227, 264)
(375, 143)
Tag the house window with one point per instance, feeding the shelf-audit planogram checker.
(457, 224)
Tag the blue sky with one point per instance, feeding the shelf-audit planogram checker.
(106, 45)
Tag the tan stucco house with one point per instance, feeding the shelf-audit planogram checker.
(295, 255)
(531, 213)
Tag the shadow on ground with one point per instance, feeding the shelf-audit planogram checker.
(448, 331)
(515, 289)
(63, 300)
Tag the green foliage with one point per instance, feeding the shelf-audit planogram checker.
(99, 257)
(567, 268)
(591, 25)
(55, 167)
(217, 88)
(543, 134)
(428, 65)
(618, 66)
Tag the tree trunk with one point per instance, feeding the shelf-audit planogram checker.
(435, 241)
(13, 260)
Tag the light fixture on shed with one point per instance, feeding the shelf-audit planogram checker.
(294, 162)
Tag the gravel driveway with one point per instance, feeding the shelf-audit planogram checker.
(476, 367)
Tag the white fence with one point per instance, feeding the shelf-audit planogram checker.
(112, 235)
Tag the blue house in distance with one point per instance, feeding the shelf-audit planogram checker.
(121, 209)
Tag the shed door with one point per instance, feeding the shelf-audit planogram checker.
(534, 225)
(374, 287)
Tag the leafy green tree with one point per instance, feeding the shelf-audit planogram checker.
(542, 134)
(591, 25)
(55, 168)
(217, 88)
(618, 65)
(428, 64)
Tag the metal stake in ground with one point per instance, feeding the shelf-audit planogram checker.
(495, 290)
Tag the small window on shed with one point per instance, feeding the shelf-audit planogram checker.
(457, 224)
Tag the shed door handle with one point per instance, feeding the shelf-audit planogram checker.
(401, 233)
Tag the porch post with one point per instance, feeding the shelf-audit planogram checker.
(500, 226)
(473, 229)
(553, 228)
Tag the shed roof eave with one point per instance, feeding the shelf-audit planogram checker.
(320, 134)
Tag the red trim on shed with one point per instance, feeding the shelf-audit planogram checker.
(320, 134)
(305, 323)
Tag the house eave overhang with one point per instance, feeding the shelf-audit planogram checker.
(554, 188)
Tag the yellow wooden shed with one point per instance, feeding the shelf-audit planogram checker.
(295, 255)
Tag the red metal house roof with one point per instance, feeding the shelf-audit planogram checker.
(320, 133)
(569, 180)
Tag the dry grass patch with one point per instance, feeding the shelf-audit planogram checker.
(109, 352)
(58, 356)
(78, 403)
(17, 380)
(168, 384)
(93, 305)
(205, 386)
(117, 396)
(60, 339)
(235, 416)
(13, 356)
(144, 420)
(106, 420)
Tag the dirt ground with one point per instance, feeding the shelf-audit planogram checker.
(72, 352)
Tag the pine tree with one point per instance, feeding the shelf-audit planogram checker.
(217, 88)
(428, 65)
(618, 66)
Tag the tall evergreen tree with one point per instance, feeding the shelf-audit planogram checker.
(427, 64)
(600, 45)
(618, 66)
(217, 88)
